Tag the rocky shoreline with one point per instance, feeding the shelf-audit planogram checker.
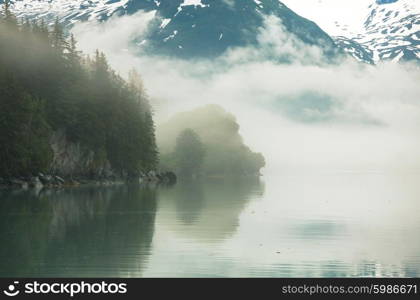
(42, 181)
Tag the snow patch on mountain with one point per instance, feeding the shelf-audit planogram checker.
(389, 29)
(68, 11)
(194, 2)
(164, 23)
(392, 29)
(200, 27)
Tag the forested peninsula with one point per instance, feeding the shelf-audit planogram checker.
(206, 142)
(68, 118)
(67, 114)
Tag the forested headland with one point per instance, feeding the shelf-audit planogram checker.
(52, 96)
(70, 115)
(206, 142)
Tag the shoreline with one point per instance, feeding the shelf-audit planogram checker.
(49, 181)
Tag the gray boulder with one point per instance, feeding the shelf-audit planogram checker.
(34, 182)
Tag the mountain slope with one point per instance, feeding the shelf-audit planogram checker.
(358, 51)
(188, 28)
(211, 27)
(390, 32)
(388, 29)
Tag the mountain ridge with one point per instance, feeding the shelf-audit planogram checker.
(187, 28)
(390, 32)
(207, 28)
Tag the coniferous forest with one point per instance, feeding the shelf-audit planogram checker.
(48, 86)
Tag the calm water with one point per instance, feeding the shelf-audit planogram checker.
(338, 224)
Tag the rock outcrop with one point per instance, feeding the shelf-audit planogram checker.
(74, 160)
(74, 164)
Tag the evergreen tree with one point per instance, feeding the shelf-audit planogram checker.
(73, 55)
(9, 20)
(150, 152)
(47, 85)
(136, 86)
(24, 132)
(189, 153)
(58, 41)
(26, 27)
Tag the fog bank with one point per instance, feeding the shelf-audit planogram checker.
(305, 114)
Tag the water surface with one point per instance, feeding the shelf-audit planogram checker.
(301, 225)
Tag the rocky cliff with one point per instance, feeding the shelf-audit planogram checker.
(74, 164)
(72, 159)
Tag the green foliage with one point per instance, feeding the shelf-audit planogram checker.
(226, 153)
(189, 154)
(46, 84)
(24, 133)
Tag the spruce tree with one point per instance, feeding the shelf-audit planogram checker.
(47, 85)
(9, 20)
(189, 153)
(58, 41)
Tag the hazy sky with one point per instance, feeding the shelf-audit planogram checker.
(370, 119)
(326, 12)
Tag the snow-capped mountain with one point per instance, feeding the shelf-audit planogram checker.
(68, 11)
(359, 51)
(187, 28)
(392, 30)
(387, 29)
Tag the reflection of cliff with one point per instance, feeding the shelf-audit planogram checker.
(208, 210)
(78, 232)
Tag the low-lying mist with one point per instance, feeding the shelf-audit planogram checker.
(304, 114)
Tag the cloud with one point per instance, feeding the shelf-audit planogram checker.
(114, 36)
(273, 37)
(300, 114)
(230, 3)
(334, 17)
